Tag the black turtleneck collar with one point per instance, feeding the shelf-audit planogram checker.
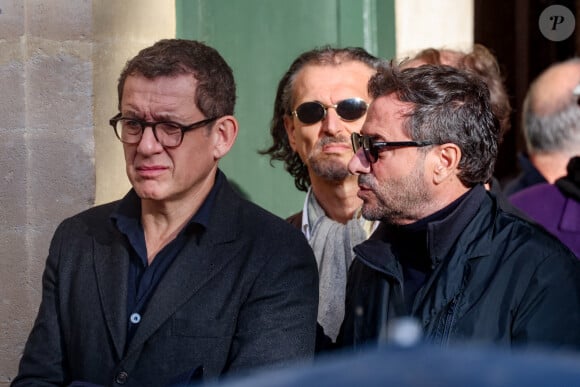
(420, 246)
(570, 184)
(424, 243)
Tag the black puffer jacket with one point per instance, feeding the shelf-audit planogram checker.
(503, 280)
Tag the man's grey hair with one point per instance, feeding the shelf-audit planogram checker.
(556, 130)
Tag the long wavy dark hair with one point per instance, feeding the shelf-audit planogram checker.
(280, 149)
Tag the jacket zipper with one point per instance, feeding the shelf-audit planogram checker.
(449, 320)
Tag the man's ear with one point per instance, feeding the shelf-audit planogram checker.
(226, 130)
(289, 126)
(447, 157)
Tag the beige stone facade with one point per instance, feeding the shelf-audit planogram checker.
(59, 63)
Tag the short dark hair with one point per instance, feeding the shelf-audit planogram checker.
(280, 149)
(216, 88)
(449, 106)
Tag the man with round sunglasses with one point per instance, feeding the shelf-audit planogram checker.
(446, 254)
(181, 279)
(321, 100)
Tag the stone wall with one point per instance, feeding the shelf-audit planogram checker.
(59, 62)
(427, 23)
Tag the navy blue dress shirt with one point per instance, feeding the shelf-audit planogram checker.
(144, 278)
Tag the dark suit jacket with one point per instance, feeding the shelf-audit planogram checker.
(241, 295)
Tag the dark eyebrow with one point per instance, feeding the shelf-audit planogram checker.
(131, 114)
(162, 118)
(376, 137)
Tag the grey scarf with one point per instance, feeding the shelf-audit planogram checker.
(332, 243)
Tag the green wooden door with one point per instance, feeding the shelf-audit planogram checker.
(259, 39)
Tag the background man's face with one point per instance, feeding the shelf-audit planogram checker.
(325, 146)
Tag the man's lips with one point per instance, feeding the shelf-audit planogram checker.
(333, 147)
(150, 170)
(364, 190)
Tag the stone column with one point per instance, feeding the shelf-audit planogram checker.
(59, 62)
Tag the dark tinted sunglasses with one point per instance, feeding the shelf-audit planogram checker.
(372, 148)
(348, 109)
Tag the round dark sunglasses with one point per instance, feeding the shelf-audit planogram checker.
(372, 148)
(348, 109)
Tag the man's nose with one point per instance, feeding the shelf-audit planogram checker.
(359, 164)
(332, 123)
(148, 142)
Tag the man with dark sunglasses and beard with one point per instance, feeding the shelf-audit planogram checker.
(321, 100)
(445, 253)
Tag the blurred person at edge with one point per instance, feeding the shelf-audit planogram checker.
(181, 279)
(320, 101)
(550, 125)
(555, 206)
(445, 253)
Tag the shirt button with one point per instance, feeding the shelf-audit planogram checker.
(135, 318)
(121, 377)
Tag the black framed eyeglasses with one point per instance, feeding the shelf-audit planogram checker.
(348, 109)
(372, 148)
(168, 134)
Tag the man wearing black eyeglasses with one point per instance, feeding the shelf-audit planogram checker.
(321, 100)
(181, 279)
(445, 253)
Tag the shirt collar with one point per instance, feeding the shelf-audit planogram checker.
(305, 225)
(127, 215)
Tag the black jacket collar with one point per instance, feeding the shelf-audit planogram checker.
(380, 251)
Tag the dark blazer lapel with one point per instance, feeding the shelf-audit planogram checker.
(111, 267)
(194, 266)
